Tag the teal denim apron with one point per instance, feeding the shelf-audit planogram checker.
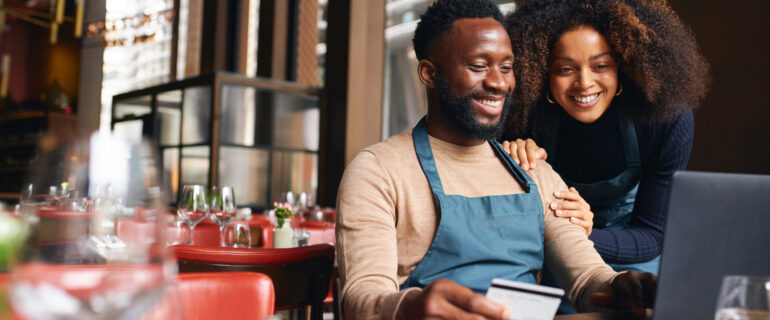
(480, 238)
(612, 201)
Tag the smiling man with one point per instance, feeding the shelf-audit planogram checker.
(427, 218)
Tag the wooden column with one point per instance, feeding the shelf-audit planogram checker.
(242, 42)
(90, 77)
(218, 35)
(351, 108)
(194, 34)
(307, 39)
(273, 36)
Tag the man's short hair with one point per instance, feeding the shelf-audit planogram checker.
(442, 15)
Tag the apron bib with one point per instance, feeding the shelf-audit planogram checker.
(480, 238)
(612, 202)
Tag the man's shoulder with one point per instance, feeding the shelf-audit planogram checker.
(544, 176)
(395, 147)
(381, 164)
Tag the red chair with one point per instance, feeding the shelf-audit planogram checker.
(218, 295)
(301, 276)
(82, 281)
(5, 312)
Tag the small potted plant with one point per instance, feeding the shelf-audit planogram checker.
(283, 235)
(13, 233)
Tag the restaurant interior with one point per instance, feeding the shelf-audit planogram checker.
(251, 109)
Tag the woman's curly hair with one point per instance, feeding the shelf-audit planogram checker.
(661, 68)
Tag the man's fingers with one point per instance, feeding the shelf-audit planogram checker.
(443, 309)
(604, 298)
(637, 298)
(650, 283)
(599, 299)
(631, 289)
(464, 300)
(480, 305)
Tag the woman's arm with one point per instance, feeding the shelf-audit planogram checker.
(664, 148)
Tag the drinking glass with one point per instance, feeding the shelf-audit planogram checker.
(177, 232)
(89, 253)
(239, 235)
(193, 207)
(222, 209)
(744, 298)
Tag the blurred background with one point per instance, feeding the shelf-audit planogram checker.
(270, 96)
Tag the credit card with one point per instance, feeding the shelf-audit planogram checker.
(525, 300)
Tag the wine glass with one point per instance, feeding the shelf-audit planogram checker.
(91, 254)
(222, 209)
(193, 207)
(744, 297)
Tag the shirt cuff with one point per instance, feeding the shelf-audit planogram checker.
(395, 304)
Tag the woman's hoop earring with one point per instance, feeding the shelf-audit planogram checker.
(619, 91)
(547, 98)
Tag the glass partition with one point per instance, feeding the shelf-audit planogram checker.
(133, 108)
(295, 171)
(170, 117)
(195, 165)
(257, 135)
(237, 122)
(246, 170)
(196, 115)
(297, 120)
(170, 162)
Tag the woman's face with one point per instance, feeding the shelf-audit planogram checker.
(583, 73)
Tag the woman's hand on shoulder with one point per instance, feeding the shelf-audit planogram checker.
(569, 204)
(525, 152)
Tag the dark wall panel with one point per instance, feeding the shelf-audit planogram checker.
(732, 128)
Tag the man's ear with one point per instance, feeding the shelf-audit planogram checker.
(427, 72)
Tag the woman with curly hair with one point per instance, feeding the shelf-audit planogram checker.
(608, 88)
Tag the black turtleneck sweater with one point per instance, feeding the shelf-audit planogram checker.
(588, 153)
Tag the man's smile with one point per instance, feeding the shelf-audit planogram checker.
(489, 106)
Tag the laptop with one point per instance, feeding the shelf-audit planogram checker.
(718, 224)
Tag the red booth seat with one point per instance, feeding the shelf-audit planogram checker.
(218, 295)
(224, 296)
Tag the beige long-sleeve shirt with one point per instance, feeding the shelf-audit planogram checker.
(387, 219)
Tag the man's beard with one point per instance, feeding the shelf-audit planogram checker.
(459, 113)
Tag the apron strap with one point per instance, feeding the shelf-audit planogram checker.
(630, 144)
(428, 164)
(524, 180)
(425, 155)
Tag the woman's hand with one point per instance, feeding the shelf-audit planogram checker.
(525, 152)
(571, 205)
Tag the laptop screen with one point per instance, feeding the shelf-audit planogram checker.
(718, 224)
